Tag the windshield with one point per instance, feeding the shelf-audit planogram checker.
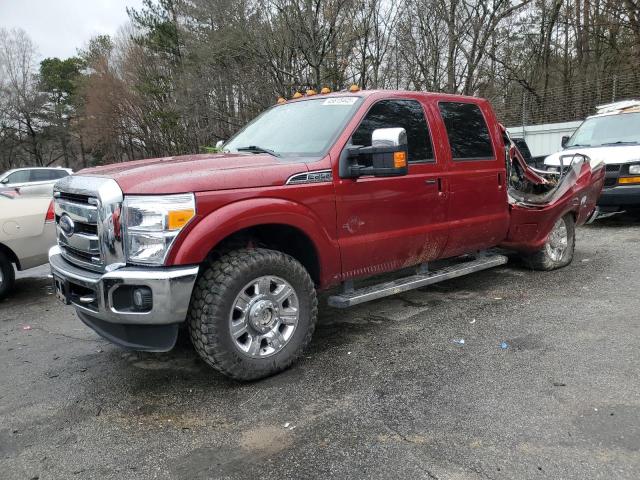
(620, 129)
(307, 128)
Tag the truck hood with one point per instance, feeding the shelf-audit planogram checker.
(198, 173)
(606, 155)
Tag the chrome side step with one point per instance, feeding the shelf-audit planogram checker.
(350, 297)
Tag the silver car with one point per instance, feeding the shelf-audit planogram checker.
(37, 180)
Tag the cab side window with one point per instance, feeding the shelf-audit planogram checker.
(407, 114)
(467, 131)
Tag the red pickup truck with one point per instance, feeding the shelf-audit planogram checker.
(317, 192)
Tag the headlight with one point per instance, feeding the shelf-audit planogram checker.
(634, 169)
(152, 223)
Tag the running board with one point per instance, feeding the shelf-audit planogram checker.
(373, 292)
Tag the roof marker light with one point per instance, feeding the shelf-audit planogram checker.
(354, 88)
(281, 100)
(325, 90)
(297, 95)
(311, 92)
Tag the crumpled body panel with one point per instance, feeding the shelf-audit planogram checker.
(538, 199)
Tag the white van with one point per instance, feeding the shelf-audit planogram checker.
(612, 137)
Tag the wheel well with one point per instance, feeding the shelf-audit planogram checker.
(10, 255)
(284, 238)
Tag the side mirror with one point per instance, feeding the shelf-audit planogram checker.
(564, 141)
(386, 157)
(5, 181)
(219, 144)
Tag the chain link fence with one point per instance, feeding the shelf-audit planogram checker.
(573, 101)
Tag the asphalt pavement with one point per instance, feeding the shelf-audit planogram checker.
(387, 389)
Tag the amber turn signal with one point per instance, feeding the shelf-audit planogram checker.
(179, 218)
(628, 180)
(399, 159)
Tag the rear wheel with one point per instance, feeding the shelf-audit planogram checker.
(7, 275)
(252, 313)
(558, 250)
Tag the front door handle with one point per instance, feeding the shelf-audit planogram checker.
(431, 181)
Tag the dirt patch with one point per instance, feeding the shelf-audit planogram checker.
(266, 440)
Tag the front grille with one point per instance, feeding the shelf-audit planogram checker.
(87, 211)
(612, 172)
(81, 245)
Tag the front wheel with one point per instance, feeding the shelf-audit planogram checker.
(252, 313)
(558, 250)
(7, 275)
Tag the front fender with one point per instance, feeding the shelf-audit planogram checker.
(193, 245)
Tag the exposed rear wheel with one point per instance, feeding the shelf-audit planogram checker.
(557, 251)
(252, 313)
(7, 275)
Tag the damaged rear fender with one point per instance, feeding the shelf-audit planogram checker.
(535, 206)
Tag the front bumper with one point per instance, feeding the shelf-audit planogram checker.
(152, 330)
(621, 196)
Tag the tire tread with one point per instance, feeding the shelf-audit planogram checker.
(207, 302)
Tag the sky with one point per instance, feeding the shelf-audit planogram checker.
(59, 27)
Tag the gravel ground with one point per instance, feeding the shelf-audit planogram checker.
(383, 392)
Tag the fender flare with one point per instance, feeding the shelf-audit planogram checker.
(194, 244)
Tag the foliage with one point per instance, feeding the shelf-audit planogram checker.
(186, 73)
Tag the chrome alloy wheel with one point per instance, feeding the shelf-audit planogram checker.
(264, 316)
(558, 241)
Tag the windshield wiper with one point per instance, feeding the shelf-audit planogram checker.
(620, 142)
(578, 145)
(257, 149)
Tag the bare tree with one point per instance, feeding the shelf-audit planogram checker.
(21, 101)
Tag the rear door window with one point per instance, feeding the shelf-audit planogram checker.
(407, 114)
(41, 175)
(467, 131)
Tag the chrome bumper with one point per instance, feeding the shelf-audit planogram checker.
(170, 286)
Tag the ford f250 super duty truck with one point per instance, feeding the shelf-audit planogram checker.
(317, 192)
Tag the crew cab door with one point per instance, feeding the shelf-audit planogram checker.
(476, 176)
(387, 223)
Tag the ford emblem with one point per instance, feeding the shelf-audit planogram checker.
(66, 225)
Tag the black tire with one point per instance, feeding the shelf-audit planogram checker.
(220, 281)
(7, 275)
(543, 259)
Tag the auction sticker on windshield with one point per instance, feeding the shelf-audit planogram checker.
(340, 101)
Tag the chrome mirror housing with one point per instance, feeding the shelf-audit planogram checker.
(389, 137)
